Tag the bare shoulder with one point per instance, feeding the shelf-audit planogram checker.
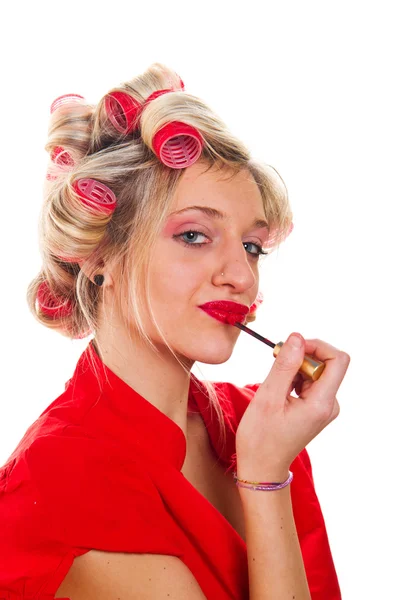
(99, 575)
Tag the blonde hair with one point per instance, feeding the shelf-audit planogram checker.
(144, 188)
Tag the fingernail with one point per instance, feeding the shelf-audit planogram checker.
(295, 341)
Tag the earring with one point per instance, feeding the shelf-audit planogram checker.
(98, 279)
(221, 273)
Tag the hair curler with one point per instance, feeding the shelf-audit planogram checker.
(123, 111)
(50, 305)
(60, 156)
(95, 195)
(178, 145)
(65, 99)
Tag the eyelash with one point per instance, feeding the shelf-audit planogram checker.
(259, 253)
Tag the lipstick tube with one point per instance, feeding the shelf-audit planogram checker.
(311, 368)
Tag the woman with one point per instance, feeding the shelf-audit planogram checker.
(125, 487)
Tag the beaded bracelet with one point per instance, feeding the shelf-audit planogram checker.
(263, 486)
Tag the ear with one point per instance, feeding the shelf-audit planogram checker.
(101, 269)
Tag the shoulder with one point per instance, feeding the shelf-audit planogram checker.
(75, 482)
(55, 418)
(98, 494)
(84, 481)
(64, 493)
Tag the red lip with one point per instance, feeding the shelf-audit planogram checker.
(226, 311)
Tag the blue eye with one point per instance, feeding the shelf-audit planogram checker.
(193, 233)
(259, 252)
(259, 249)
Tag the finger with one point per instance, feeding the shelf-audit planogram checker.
(321, 350)
(278, 382)
(336, 365)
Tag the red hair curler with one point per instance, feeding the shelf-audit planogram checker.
(95, 195)
(156, 94)
(178, 145)
(123, 111)
(50, 305)
(65, 99)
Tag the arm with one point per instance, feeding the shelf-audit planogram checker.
(275, 563)
(274, 428)
(100, 575)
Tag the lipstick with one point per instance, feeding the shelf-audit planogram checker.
(311, 368)
(226, 311)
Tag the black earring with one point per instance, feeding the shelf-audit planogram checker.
(98, 279)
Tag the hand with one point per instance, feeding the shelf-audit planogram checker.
(276, 426)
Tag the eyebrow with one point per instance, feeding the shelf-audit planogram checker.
(216, 214)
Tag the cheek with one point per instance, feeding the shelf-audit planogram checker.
(174, 282)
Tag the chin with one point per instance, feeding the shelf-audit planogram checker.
(215, 354)
(213, 360)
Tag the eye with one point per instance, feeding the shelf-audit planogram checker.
(193, 234)
(259, 249)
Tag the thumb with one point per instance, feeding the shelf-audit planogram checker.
(285, 367)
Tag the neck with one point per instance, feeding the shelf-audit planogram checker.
(159, 378)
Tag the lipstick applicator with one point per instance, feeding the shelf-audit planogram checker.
(310, 368)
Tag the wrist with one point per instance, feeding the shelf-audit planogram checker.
(266, 478)
(251, 499)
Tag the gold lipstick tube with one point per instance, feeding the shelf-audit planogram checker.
(311, 367)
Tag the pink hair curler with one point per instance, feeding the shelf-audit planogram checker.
(95, 195)
(123, 111)
(65, 99)
(50, 305)
(259, 300)
(178, 145)
(60, 156)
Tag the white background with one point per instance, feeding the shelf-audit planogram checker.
(311, 88)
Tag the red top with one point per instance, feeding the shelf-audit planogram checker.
(100, 469)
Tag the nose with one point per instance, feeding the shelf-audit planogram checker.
(235, 268)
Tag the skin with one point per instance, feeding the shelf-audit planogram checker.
(181, 278)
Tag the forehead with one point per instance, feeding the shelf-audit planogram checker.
(218, 187)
